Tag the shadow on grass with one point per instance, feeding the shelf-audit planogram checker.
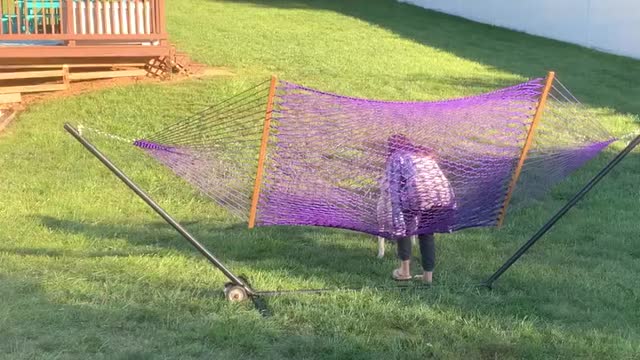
(599, 79)
(304, 251)
(43, 324)
(174, 323)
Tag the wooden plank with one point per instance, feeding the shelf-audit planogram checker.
(97, 37)
(30, 74)
(71, 65)
(527, 145)
(263, 154)
(32, 88)
(106, 74)
(10, 98)
(115, 51)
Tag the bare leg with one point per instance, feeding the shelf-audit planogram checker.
(428, 252)
(404, 254)
(380, 247)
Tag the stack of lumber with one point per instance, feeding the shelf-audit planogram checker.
(16, 80)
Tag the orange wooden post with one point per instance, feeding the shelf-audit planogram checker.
(156, 8)
(139, 19)
(18, 11)
(52, 18)
(28, 18)
(34, 13)
(2, 17)
(527, 145)
(263, 153)
(62, 13)
(162, 22)
(87, 19)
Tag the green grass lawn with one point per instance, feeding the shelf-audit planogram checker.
(88, 271)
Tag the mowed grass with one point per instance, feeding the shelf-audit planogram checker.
(88, 271)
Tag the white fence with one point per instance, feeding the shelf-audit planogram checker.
(608, 25)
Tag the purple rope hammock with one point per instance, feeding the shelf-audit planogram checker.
(386, 168)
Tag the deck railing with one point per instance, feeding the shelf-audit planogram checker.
(77, 20)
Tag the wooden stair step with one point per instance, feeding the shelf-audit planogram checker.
(106, 74)
(32, 88)
(30, 74)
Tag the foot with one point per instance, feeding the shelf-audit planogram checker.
(426, 277)
(399, 275)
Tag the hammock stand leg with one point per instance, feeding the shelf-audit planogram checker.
(571, 203)
(237, 289)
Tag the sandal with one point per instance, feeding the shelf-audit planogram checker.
(398, 277)
(421, 279)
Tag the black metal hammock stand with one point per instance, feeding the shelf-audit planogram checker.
(239, 289)
(317, 151)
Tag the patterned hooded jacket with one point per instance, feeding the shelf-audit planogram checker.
(413, 184)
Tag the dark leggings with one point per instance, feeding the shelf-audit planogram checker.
(427, 250)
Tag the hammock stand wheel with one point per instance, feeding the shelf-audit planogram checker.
(235, 293)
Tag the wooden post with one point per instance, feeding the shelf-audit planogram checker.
(9, 20)
(156, 17)
(138, 17)
(65, 75)
(25, 18)
(263, 153)
(32, 13)
(52, 18)
(2, 17)
(63, 16)
(18, 12)
(527, 145)
(107, 17)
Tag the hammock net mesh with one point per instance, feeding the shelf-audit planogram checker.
(380, 167)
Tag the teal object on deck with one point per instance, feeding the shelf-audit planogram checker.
(42, 4)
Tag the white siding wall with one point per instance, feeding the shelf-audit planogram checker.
(607, 25)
